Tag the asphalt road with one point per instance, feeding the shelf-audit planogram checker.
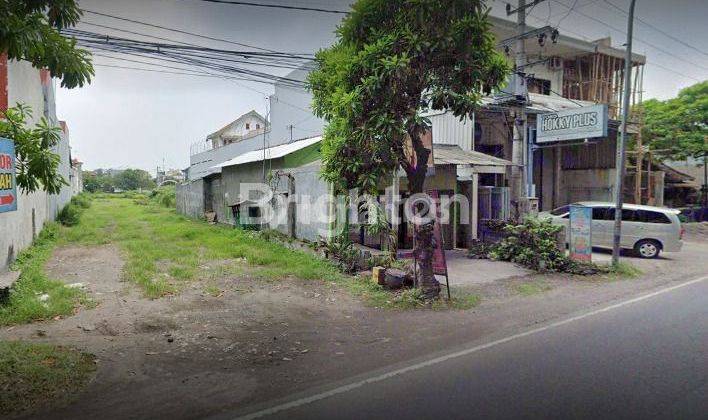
(645, 358)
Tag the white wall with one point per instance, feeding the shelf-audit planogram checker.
(292, 106)
(20, 227)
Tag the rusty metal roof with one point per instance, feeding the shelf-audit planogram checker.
(445, 154)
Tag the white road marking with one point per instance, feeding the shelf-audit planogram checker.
(461, 353)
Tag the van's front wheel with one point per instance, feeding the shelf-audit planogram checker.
(647, 248)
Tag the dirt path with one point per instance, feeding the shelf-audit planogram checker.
(194, 354)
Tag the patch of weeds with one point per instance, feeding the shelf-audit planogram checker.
(213, 291)
(35, 296)
(32, 375)
(459, 301)
(624, 270)
(532, 288)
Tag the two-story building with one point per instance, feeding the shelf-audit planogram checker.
(475, 156)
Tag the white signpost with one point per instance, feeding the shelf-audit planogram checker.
(571, 124)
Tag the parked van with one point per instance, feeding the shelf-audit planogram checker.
(647, 230)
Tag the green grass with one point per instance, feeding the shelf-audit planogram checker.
(624, 270)
(24, 304)
(33, 374)
(164, 251)
(532, 288)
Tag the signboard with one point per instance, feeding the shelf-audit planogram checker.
(570, 124)
(8, 186)
(580, 233)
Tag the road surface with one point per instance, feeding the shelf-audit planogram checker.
(642, 358)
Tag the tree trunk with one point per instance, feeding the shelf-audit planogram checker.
(424, 240)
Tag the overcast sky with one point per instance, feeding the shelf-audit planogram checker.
(130, 118)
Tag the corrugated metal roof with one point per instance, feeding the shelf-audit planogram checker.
(270, 153)
(453, 155)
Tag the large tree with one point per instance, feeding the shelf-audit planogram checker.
(392, 60)
(678, 127)
(30, 31)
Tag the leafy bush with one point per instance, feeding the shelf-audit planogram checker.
(165, 196)
(70, 215)
(81, 200)
(534, 244)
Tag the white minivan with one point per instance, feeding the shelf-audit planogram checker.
(647, 230)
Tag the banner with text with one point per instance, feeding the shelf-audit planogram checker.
(8, 186)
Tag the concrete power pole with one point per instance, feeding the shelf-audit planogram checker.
(620, 164)
(520, 91)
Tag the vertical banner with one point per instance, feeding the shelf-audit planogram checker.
(8, 187)
(580, 231)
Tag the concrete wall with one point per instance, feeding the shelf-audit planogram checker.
(291, 106)
(20, 227)
(190, 198)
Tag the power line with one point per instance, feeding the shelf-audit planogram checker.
(635, 37)
(575, 3)
(276, 6)
(165, 28)
(661, 31)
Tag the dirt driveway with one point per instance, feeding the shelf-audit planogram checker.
(196, 354)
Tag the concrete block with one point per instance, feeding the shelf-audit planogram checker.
(378, 275)
(8, 279)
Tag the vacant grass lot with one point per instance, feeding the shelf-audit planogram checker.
(33, 374)
(164, 250)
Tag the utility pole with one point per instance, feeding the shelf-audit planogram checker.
(619, 165)
(290, 127)
(519, 145)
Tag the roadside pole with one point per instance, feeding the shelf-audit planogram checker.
(620, 163)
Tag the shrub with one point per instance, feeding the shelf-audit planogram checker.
(534, 244)
(81, 200)
(164, 196)
(70, 215)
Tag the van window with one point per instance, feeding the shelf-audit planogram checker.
(600, 213)
(627, 215)
(648, 216)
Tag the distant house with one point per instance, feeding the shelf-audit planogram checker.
(245, 126)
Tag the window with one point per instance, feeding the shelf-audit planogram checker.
(627, 215)
(258, 126)
(541, 86)
(254, 212)
(649, 216)
(248, 126)
(600, 213)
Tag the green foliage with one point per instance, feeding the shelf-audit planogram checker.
(134, 179)
(30, 30)
(35, 374)
(94, 182)
(24, 304)
(679, 125)
(532, 244)
(165, 196)
(392, 60)
(69, 215)
(82, 200)
(37, 165)
(342, 250)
